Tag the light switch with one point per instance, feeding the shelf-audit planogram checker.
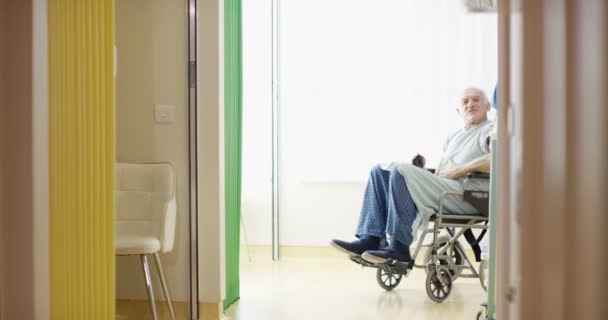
(164, 113)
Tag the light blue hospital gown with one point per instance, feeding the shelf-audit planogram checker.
(425, 188)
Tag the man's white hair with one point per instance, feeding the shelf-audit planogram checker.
(481, 93)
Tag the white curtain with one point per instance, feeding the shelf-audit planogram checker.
(361, 82)
(367, 81)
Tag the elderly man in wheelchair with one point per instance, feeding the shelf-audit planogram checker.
(401, 199)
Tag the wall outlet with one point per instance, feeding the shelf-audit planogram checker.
(164, 113)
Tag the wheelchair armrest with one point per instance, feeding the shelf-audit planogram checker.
(478, 175)
(479, 200)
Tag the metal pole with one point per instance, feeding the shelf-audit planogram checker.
(193, 158)
(275, 130)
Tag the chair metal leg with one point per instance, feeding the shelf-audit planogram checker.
(163, 281)
(144, 262)
(245, 236)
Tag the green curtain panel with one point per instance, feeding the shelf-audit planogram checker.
(233, 123)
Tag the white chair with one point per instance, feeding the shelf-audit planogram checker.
(145, 217)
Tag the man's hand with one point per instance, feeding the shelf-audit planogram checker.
(452, 171)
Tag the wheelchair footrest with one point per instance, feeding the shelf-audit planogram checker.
(362, 262)
(392, 266)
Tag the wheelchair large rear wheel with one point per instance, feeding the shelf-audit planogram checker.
(438, 283)
(388, 279)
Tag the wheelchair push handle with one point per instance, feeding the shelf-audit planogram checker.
(419, 161)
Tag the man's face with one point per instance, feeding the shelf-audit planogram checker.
(473, 107)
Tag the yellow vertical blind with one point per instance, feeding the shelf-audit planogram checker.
(81, 143)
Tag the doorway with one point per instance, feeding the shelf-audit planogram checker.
(155, 108)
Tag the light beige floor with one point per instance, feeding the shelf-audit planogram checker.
(321, 283)
(140, 310)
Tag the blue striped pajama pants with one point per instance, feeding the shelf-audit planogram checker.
(387, 207)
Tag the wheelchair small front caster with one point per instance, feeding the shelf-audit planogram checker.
(483, 266)
(388, 279)
(481, 315)
(438, 283)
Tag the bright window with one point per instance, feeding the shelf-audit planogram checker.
(371, 81)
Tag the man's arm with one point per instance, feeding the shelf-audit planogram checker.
(453, 171)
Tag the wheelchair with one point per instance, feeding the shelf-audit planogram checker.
(445, 259)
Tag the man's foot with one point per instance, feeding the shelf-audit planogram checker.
(357, 247)
(393, 253)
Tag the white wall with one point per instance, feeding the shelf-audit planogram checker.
(361, 82)
(210, 123)
(257, 122)
(151, 41)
